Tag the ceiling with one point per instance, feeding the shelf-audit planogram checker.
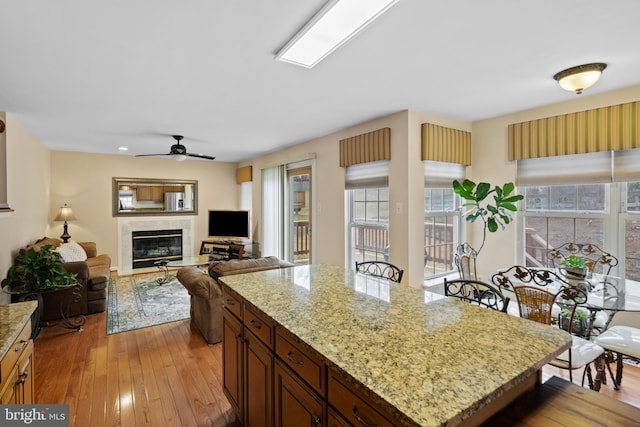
(94, 76)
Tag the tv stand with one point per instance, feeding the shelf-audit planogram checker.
(226, 249)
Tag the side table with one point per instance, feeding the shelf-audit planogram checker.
(27, 294)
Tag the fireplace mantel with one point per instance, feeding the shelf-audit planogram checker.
(126, 227)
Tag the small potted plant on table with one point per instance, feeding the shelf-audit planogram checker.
(574, 267)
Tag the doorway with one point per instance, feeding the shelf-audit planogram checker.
(299, 211)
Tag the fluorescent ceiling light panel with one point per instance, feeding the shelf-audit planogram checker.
(332, 26)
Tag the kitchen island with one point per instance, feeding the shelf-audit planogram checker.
(405, 355)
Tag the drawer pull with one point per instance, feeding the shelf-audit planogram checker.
(316, 420)
(297, 362)
(360, 420)
(22, 377)
(230, 302)
(255, 324)
(22, 345)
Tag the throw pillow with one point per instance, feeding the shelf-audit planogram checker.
(71, 251)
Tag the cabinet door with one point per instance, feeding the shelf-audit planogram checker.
(157, 193)
(232, 361)
(258, 383)
(24, 383)
(143, 193)
(295, 403)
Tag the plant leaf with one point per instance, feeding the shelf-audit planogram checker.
(492, 225)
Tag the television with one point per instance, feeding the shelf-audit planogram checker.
(233, 225)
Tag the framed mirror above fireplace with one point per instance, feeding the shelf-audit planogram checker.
(150, 196)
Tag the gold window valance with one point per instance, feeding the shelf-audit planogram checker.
(368, 147)
(612, 128)
(244, 174)
(442, 144)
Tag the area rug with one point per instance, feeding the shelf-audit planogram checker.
(140, 301)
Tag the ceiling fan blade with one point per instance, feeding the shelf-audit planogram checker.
(201, 156)
(152, 155)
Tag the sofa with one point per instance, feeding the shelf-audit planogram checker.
(206, 291)
(93, 274)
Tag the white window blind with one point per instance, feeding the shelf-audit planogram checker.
(367, 175)
(272, 211)
(587, 168)
(590, 168)
(441, 174)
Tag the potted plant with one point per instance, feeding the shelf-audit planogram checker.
(495, 212)
(574, 266)
(580, 321)
(38, 270)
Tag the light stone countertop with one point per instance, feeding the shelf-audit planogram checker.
(13, 317)
(432, 360)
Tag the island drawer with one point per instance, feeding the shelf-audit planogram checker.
(302, 359)
(258, 325)
(353, 407)
(231, 302)
(14, 351)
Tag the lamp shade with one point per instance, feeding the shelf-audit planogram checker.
(576, 79)
(65, 214)
(178, 157)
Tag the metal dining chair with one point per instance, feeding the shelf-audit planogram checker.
(537, 304)
(596, 259)
(621, 341)
(465, 261)
(478, 293)
(380, 269)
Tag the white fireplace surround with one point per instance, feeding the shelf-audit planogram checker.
(126, 227)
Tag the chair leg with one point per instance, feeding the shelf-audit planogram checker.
(608, 359)
(619, 365)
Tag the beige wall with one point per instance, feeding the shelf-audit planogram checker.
(28, 172)
(83, 181)
(489, 159)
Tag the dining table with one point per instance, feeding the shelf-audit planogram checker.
(605, 293)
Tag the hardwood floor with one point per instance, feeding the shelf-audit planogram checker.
(165, 375)
(159, 376)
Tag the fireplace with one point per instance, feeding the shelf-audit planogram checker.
(151, 246)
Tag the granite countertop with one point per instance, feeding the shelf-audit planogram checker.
(434, 360)
(13, 317)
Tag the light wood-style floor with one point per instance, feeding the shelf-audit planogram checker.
(165, 375)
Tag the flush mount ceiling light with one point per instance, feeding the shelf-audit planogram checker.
(332, 26)
(577, 79)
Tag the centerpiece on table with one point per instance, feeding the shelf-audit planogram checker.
(574, 267)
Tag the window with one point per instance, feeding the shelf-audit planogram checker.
(369, 224)
(607, 215)
(368, 214)
(441, 230)
(441, 216)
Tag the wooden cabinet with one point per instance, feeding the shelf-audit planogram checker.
(247, 358)
(232, 372)
(272, 378)
(296, 404)
(16, 370)
(150, 193)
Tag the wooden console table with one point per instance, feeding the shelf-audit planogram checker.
(224, 249)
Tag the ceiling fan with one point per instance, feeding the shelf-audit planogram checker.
(178, 152)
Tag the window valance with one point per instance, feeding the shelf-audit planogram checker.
(367, 147)
(442, 144)
(244, 174)
(612, 128)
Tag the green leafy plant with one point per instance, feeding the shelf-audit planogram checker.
(495, 211)
(39, 270)
(574, 261)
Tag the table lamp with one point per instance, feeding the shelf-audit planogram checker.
(65, 214)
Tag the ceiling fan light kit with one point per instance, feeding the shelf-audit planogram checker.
(178, 152)
(578, 78)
